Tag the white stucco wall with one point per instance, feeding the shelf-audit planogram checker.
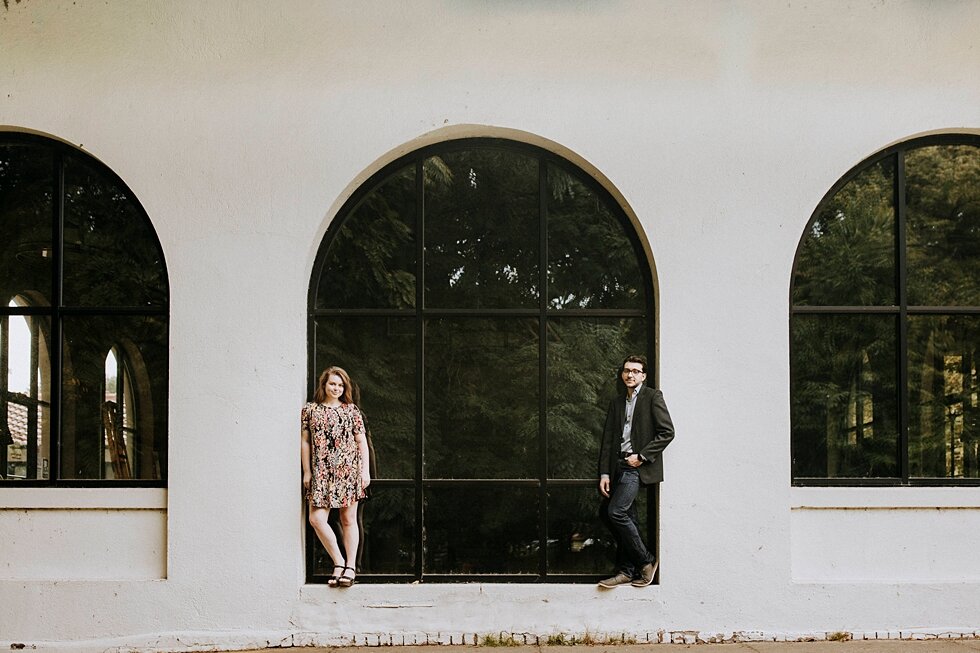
(243, 126)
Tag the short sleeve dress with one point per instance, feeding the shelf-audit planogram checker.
(336, 458)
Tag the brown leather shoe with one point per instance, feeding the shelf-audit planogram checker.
(646, 574)
(615, 581)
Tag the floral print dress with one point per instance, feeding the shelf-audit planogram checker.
(336, 458)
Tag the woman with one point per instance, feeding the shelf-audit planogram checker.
(335, 467)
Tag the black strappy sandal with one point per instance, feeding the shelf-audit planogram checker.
(333, 580)
(345, 580)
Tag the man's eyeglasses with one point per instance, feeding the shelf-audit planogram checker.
(628, 372)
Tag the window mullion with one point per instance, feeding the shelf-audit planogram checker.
(419, 533)
(901, 215)
(543, 365)
(57, 301)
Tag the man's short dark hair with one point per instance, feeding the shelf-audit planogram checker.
(634, 359)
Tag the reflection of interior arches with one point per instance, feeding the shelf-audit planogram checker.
(82, 256)
(24, 394)
(127, 411)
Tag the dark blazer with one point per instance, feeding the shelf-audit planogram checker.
(651, 433)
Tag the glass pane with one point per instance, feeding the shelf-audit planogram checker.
(481, 398)
(844, 397)
(591, 261)
(943, 200)
(111, 253)
(584, 355)
(481, 530)
(944, 414)
(848, 255)
(387, 526)
(379, 354)
(26, 188)
(25, 397)
(578, 541)
(371, 260)
(481, 230)
(92, 447)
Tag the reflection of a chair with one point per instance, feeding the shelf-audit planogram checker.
(114, 440)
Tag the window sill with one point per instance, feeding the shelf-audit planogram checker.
(884, 498)
(34, 498)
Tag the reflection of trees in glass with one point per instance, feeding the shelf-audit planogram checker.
(848, 254)
(584, 355)
(113, 271)
(481, 409)
(943, 198)
(111, 253)
(497, 450)
(844, 396)
(481, 230)
(592, 261)
(379, 354)
(944, 406)
(846, 361)
(373, 251)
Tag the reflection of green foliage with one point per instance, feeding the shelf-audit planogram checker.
(943, 195)
(373, 252)
(584, 355)
(843, 366)
(591, 261)
(848, 256)
(846, 365)
(111, 253)
(379, 354)
(943, 416)
(481, 382)
(481, 233)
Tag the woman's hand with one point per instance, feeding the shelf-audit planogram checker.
(365, 479)
(307, 477)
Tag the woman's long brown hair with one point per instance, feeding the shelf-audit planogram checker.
(320, 396)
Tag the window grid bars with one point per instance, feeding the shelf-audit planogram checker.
(422, 314)
(902, 310)
(56, 313)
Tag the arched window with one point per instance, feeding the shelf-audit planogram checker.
(81, 270)
(885, 321)
(483, 294)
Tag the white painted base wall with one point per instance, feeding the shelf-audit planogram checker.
(242, 127)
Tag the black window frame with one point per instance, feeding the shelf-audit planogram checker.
(900, 309)
(542, 312)
(57, 311)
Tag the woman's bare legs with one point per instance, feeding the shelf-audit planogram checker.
(351, 535)
(319, 521)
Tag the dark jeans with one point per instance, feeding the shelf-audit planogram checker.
(618, 512)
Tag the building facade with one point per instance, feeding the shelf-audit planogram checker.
(478, 209)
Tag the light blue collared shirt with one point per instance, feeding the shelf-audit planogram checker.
(626, 445)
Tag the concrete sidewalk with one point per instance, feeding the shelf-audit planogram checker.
(855, 646)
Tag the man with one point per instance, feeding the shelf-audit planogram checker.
(637, 430)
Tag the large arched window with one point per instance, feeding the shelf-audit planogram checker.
(81, 275)
(885, 321)
(483, 294)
